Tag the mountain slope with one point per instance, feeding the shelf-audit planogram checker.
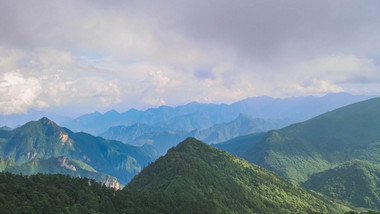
(194, 177)
(299, 150)
(356, 182)
(44, 139)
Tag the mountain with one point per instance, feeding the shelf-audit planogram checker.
(44, 139)
(323, 142)
(131, 134)
(194, 177)
(356, 182)
(202, 116)
(242, 125)
(162, 140)
(5, 128)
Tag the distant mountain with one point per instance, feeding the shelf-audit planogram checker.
(202, 116)
(130, 134)
(242, 125)
(5, 128)
(356, 182)
(44, 139)
(300, 150)
(60, 165)
(162, 140)
(194, 177)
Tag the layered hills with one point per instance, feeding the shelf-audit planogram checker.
(41, 140)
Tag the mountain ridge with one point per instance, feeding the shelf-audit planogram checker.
(201, 116)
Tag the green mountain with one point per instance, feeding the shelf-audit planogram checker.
(356, 182)
(44, 139)
(318, 144)
(60, 165)
(195, 177)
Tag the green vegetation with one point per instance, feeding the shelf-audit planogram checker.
(356, 182)
(197, 178)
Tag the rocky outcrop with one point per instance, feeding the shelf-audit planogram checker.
(112, 183)
(65, 163)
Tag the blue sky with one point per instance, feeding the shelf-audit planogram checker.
(82, 56)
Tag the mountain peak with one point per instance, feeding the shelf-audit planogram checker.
(46, 121)
(190, 144)
(112, 113)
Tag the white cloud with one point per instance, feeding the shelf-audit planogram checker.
(314, 86)
(18, 93)
(154, 102)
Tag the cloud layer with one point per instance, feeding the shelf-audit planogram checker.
(97, 55)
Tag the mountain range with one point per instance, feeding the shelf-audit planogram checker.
(336, 154)
(202, 116)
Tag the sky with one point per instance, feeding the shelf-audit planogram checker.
(78, 56)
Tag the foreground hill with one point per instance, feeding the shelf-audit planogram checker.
(194, 177)
(356, 182)
(44, 139)
(202, 116)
